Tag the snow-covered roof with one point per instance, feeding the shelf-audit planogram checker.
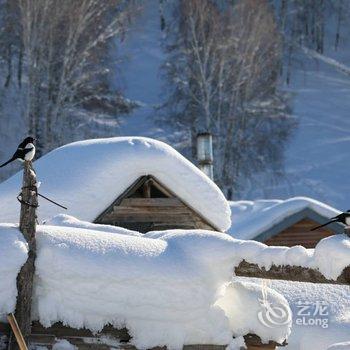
(252, 218)
(87, 176)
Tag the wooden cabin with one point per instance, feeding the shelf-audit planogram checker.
(300, 234)
(283, 222)
(133, 182)
(148, 205)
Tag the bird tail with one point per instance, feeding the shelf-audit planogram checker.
(327, 223)
(9, 161)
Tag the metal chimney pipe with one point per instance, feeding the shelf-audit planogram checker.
(205, 153)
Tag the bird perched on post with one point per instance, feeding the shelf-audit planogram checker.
(343, 218)
(25, 151)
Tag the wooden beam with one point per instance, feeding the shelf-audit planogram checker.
(289, 273)
(27, 225)
(147, 189)
(17, 332)
(151, 202)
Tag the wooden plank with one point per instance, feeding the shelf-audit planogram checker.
(151, 210)
(301, 232)
(150, 202)
(290, 273)
(152, 217)
(17, 332)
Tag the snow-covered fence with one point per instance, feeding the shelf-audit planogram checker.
(290, 273)
(329, 262)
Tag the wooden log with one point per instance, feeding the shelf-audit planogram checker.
(289, 273)
(27, 225)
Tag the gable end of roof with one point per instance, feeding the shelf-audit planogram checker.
(306, 213)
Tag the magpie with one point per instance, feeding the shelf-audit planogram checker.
(25, 151)
(343, 218)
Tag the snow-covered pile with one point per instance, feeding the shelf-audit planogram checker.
(87, 176)
(13, 254)
(330, 256)
(248, 308)
(168, 288)
(65, 220)
(250, 218)
(321, 313)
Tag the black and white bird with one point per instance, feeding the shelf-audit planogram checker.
(344, 218)
(25, 151)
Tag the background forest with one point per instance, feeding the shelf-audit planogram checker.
(254, 73)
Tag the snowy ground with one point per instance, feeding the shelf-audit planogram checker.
(321, 313)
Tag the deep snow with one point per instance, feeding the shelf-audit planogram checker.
(329, 303)
(168, 288)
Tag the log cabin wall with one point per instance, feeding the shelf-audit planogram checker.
(300, 234)
(147, 205)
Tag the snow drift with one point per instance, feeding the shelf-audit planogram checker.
(87, 176)
(167, 287)
(164, 286)
(13, 254)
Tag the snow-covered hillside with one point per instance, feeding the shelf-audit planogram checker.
(143, 56)
(317, 159)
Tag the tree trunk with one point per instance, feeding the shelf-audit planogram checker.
(28, 227)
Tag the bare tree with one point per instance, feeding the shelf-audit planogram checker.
(222, 70)
(66, 45)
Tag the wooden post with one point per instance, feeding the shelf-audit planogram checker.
(25, 277)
